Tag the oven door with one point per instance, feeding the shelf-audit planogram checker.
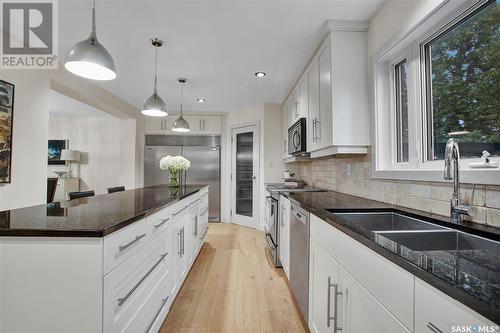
(272, 228)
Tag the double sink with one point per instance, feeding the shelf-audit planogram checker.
(413, 233)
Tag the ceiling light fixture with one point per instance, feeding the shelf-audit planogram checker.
(154, 106)
(201, 100)
(89, 59)
(260, 75)
(180, 124)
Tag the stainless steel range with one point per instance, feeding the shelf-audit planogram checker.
(272, 215)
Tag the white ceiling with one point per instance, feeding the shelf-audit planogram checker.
(216, 45)
(63, 106)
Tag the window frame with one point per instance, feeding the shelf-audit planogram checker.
(411, 46)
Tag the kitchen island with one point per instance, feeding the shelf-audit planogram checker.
(109, 263)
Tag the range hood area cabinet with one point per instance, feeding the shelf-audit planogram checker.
(333, 93)
(200, 125)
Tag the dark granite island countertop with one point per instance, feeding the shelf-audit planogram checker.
(469, 273)
(92, 216)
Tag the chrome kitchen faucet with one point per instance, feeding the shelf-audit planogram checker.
(451, 171)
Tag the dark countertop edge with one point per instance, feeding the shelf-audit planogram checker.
(452, 291)
(84, 233)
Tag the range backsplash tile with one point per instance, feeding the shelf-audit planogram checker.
(352, 175)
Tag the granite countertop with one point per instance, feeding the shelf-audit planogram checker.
(92, 216)
(468, 270)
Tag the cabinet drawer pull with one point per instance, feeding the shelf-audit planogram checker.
(163, 302)
(329, 303)
(179, 211)
(433, 328)
(204, 212)
(204, 233)
(335, 305)
(161, 223)
(124, 299)
(137, 238)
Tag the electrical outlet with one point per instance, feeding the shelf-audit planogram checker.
(348, 169)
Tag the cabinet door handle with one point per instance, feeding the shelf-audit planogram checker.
(124, 299)
(433, 328)
(200, 125)
(337, 293)
(161, 223)
(136, 239)
(314, 129)
(183, 240)
(195, 220)
(180, 243)
(329, 303)
(163, 302)
(318, 130)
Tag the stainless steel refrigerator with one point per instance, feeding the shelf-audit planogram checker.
(202, 151)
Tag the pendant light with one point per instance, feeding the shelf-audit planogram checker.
(89, 59)
(154, 106)
(180, 124)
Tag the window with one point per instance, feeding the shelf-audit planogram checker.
(438, 80)
(401, 108)
(462, 76)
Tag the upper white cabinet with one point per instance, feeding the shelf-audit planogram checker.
(284, 131)
(200, 125)
(332, 93)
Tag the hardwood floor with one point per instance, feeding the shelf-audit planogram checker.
(233, 288)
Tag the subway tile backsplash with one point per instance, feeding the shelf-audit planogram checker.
(352, 175)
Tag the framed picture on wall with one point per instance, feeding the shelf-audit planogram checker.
(54, 152)
(6, 117)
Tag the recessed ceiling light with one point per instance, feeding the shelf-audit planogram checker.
(201, 100)
(260, 74)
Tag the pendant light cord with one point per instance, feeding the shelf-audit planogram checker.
(182, 95)
(156, 65)
(93, 19)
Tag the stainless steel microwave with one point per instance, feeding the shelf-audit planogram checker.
(297, 138)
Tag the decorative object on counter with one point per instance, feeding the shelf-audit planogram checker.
(180, 124)
(70, 156)
(154, 106)
(486, 163)
(6, 116)
(54, 151)
(288, 174)
(61, 174)
(89, 59)
(294, 183)
(174, 165)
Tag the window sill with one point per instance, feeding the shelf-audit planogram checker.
(470, 176)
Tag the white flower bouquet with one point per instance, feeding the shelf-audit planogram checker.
(174, 165)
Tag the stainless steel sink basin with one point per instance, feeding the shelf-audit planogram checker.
(447, 240)
(386, 221)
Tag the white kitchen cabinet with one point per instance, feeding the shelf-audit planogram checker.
(323, 283)
(336, 81)
(123, 282)
(284, 131)
(293, 106)
(451, 312)
(313, 105)
(324, 124)
(200, 125)
(284, 234)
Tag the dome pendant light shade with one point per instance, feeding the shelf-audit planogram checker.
(154, 106)
(89, 59)
(180, 124)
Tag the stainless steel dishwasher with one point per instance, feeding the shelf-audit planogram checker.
(299, 257)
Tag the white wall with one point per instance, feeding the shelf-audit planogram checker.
(29, 142)
(104, 142)
(31, 130)
(273, 164)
